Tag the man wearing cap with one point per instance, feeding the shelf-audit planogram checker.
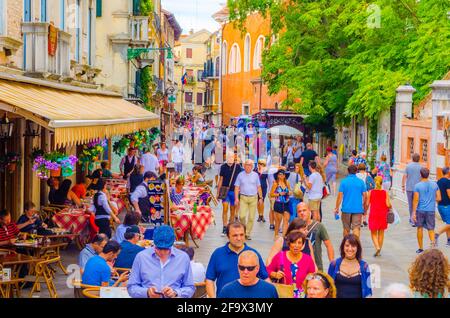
(129, 248)
(248, 193)
(161, 271)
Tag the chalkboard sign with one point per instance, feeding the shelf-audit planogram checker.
(155, 214)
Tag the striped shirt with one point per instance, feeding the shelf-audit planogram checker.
(176, 197)
(8, 232)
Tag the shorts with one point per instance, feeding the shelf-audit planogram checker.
(281, 207)
(230, 198)
(314, 205)
(444, 211)
(351, 221)
(426, 220)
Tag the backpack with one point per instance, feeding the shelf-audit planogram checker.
(370, 183)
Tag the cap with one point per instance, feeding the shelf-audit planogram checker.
(133, 229)
(163, 237)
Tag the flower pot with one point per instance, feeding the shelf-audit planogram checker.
(55, 173)
(12, 166)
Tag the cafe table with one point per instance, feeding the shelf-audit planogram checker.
(188, 223)
(75, 221)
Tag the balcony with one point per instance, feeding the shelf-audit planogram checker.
(159, 84)
(38, 61)
(139, 31)
(190, 80)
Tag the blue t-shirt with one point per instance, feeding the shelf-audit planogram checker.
(127, 254)
(96, 271)
(223, 266)
(353, 188)
(261, 289)
(427, 195)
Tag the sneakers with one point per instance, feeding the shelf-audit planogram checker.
(419, 251)
(272, 227)
(260, 218)
(263, 219)
(224, 231)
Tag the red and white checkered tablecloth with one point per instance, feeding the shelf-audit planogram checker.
(198, 222)
(73, 222)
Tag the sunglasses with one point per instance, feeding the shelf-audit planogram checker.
(318, 277)
(249, 268)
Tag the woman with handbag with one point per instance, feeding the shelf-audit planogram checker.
(297, 194)
(291, 267)
(379, 204)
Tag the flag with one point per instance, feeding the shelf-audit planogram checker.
(184, 79)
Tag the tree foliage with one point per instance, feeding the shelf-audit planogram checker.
(345, 58)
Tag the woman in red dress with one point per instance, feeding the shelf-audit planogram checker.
(379, 208)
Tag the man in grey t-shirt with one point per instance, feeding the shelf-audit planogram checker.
(409, 181)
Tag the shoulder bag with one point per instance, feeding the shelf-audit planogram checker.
(283, 290)
(223, 191)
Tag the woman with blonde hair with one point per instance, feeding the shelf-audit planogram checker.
(379, 204)
(319, 285)
(429, 275)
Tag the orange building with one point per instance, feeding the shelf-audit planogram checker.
(242, 90)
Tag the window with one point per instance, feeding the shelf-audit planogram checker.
(199, 75)
(245, 109)
(2, 17)
(199, 99)
(410, 148)
(424, 150)
(27, 11)
(89, 40)
(189, 53)
(257, 57)
(217, 68)
(224, 57)
(78, 32)
(276, 105)
(62, 13)
(43, 10)
(188, 97)
(99, 8)
(247, 50)
(235, 59)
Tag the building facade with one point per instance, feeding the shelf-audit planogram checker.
(211, 76)
(241, 66)
(190, 57)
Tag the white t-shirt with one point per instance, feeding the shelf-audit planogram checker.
(316, 191)
(198, 272)
(150, 162)
(270, 178)
(177, 154)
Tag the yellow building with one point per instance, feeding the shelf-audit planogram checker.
(191, 52)
(211, 77)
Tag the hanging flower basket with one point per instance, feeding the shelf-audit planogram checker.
(12, 167)
(55, 173)
(139, 140)
(10, 161)
(54, 164)
(91, 153)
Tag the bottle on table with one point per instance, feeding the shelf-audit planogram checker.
(195, 207)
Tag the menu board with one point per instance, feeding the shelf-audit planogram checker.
(155, 214)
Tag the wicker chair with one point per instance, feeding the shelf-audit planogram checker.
(44, 275)
(200, 290)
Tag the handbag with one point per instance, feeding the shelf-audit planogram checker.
(298, 193)
(325, 191)
(223, 191)
(284, 291)
(390, 216)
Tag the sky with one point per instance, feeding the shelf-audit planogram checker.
(194, 14)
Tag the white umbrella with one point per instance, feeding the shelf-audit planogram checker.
(284, 130)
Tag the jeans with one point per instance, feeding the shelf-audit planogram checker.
(179, 167)
(410, 195)
(247, 211)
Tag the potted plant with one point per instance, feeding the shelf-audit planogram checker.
(12, 160)
(54, 164)
(91, 153)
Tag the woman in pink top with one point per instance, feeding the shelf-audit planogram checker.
(291, 267)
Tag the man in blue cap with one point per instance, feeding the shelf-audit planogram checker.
(161, 271)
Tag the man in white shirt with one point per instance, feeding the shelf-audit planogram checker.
(150, 162)
(314, 183)
(198, 269)
(248, 193)
(177, 156)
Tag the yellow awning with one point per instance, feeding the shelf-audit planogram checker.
(75, 117)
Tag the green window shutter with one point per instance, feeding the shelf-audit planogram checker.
(99, 8)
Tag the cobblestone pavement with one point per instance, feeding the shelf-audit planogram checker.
(397, 254)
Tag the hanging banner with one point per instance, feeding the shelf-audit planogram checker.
(52, 40)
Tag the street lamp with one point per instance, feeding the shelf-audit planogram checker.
(6, 128)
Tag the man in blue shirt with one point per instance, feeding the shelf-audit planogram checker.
(223, 264)
(353, 196)
(161, 271)
(97, 271)
(248, 285)
(92, 249)
(426, 194)
(129, 248)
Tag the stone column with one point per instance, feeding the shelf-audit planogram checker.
(440, 107)
(403, 108)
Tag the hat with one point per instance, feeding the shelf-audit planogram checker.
(281, 171)
(133, 229)
(163, 237)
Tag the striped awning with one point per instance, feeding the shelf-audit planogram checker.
(76, 116)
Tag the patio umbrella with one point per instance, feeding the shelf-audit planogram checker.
(284, 130)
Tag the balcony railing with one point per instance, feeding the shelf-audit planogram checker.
(139, 29)
(190, 80)
(37, 57)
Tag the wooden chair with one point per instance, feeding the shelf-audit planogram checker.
(53, 253)
(8, 288)
(78, 287)
(91, 292)
(200, 290)
(44, 275)
(7, 252)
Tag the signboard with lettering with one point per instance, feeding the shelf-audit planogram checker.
(155, 214)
